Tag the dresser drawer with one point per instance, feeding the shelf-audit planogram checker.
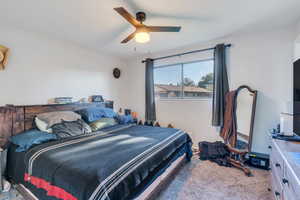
(285, 171)
(277, 161)
(290, 184)
(277, 172)
(276, 187)
(287, 195)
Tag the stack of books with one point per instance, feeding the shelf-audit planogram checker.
(63, 100)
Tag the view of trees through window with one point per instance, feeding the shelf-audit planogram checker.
(188, 80)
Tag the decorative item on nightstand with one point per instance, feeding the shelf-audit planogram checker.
(97, 98)
(134, 115)
(170, 126)
(157, 124)
(127, 112)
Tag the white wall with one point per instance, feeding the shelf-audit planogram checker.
(260, 59)
(41, 68)
(298, 29)
(297, 51)
(297, 44)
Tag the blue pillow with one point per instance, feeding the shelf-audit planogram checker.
(29, 138)
(93, 114)
(125, 119)
(90, 114)
(109, 113)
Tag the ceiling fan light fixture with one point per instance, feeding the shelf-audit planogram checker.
(142, 37)
(141, 34)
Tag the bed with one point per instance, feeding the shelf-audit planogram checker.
(118, 162)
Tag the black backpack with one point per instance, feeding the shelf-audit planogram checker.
(214, 151)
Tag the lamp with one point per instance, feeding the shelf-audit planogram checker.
(142, 37)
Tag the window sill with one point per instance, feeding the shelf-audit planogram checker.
(184, 99)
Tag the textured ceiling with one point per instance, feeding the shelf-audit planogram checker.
(94, 23)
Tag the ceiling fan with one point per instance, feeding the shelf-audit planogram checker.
(141, 34)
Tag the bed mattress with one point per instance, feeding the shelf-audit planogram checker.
(117, 163)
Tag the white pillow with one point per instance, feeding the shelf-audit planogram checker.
(42, 126)
(51, 118)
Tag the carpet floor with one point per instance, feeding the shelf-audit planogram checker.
(204, 180)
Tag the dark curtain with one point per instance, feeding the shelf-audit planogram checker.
(221, 86)
(150, 114)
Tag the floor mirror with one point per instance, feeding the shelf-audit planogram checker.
(245, 115)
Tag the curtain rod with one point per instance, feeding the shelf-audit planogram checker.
(185, 53)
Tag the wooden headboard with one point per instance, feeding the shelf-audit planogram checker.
(16, 119)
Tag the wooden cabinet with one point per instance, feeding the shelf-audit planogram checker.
(285, 168)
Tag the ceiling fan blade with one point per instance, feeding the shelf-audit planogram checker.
(130, 37)
(163, 28)
(127, 16)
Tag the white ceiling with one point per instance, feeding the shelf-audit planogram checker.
(94, 23)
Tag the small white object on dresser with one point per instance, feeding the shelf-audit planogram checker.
(285, 169)
(286, 124)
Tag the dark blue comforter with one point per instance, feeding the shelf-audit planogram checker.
(117, 163)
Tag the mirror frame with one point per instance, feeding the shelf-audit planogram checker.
(254, 93)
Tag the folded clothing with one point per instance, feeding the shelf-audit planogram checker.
(74, 128)
(51, 118)
(29, 138)
(102, 123)
(95, 113)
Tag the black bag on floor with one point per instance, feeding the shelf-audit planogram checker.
(214, 151)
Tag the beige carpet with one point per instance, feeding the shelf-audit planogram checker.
(204, 180)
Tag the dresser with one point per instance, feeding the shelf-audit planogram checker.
(285, 170)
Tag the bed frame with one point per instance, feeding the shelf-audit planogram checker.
(151, 193)
(16, 119)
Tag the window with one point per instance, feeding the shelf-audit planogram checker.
(184, 80)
